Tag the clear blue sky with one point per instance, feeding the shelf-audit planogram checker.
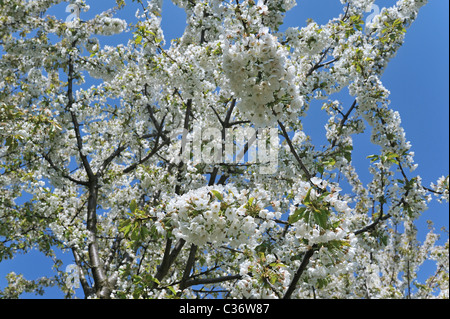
(418, 78)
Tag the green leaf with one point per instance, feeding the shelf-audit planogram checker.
(297, 215)
(138, 39)
(276, 265)
(217, 194)
(136, 233)
(393, 160)
(322, 282)
(9, 140)
(329, 162)
(120, 3)
(348, 156)
(392, 157)
(307, 199)
(273, 279)
(321, 217)
(348, 152)
(172, 290)
(323, 195)
(12, 143)
(320, 169)
(133, 206)
(126, 227)
(373, 158)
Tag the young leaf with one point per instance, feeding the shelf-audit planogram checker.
(133, 205)
(217, 194)
(297, 215)
(126, 227)
(329, 162)
(138, 39)
(373, 158)
(321, 218)
(307, 199)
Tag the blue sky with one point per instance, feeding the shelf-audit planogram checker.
(417, 78)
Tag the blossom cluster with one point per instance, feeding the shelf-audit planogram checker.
(310, 40)
(99, 171)
(308, 228)
(219, 216)
(109, 26)
(441, 188)
(258, 74)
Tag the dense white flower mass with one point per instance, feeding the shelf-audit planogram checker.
(260, 77)
(100, 154)
(110, 26)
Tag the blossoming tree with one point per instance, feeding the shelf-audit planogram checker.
(101, 170)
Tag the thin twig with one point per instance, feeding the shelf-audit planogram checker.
(294, 152)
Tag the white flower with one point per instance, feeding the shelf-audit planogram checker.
(262, 8)
(319, 182)
(215, 207)
(243, 269)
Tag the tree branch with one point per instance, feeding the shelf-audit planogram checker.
(76, 125)
(189, 265)
(206, 281)
(59, 170)
(110, 158)
(183, 144)
(344, 119)
(100, 279)
(169, 258)
(225, 124)
(299, 272)
(87, 289)
(294, 152)
(372, 225)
